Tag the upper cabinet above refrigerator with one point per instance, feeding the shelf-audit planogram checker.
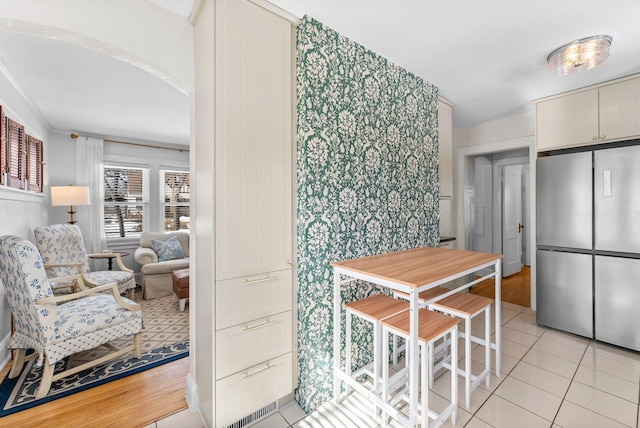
(602, 113)
(617, 199)
(564, 201)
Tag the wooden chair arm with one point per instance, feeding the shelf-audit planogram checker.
(121, 265)
(65, 282)
(83, 282)
(134, 307)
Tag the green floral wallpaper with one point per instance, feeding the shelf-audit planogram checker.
(367, 165)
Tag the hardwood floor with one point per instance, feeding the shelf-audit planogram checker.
(134, 401)
(515, 289)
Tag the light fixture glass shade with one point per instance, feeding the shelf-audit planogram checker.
(579, 55)
(69, 195)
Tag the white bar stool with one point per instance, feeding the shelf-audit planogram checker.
(373, 309)
(467, 306)
(424, 298)
(432, 326)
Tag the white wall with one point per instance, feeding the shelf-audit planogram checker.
(508, 128)
(511, 133)
(200, 382)
(62, 171)
(481, 233)
(20, 211)
(481, 139)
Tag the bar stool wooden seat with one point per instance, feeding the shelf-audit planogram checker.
(424, 298)
(432, 327)
(373, 309)
(467, 306)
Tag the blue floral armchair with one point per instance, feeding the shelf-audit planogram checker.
(56, 327)
(62, 249)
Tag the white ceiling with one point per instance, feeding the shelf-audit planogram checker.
(80, 90)
(487, 57)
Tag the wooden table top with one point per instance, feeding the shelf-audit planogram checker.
(110, 255)
(418, 266)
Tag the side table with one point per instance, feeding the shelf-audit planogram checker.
(109, 256)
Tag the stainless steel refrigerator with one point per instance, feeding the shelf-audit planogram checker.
(588, 244)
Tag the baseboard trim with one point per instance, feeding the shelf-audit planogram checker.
(5, 352)
(192, 395)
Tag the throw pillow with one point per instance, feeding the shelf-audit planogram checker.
(167, 250)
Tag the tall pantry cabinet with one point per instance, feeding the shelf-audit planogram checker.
(254, 361)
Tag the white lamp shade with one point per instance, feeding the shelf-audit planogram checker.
(69, 195)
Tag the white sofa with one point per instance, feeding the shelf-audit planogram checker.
(155, 276)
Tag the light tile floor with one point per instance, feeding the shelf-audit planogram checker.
(550, 379)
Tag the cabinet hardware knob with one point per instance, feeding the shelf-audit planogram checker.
(602, 137)
(595, 137)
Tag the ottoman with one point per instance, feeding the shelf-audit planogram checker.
(181, 286)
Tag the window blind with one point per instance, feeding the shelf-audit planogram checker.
(126, 195)
(3, 146)
(176, 195)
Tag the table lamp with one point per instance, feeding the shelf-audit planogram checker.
(70, 195)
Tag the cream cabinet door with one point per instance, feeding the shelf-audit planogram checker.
(242, 393)
(567, 121)
(253, 189)
(620, 110)
(246, 345)
(445, 133)
(244, 299)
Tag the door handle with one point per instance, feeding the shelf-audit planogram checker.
(520, 227)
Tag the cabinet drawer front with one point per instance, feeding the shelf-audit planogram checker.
(240, 300)
(241, 394)
(248, 344)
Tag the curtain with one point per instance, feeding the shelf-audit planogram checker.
(89, 172)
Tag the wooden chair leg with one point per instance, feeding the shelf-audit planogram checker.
(45, 382)
(132, 292)
(137, 343)
(18, 362)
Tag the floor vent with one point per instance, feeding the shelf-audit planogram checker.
(255, 416)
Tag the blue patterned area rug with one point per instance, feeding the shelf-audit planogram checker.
(164, 339)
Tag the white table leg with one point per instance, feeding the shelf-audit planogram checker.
(498, 282)
(336, 336)
(414, 360)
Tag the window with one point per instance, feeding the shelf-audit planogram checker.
(21, 157)
(126, 197)
(175, 196)
(34, 164)
(3, 147)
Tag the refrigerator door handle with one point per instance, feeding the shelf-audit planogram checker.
(606, 183)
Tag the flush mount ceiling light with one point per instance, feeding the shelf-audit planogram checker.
(579, 55)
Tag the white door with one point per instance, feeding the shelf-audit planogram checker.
(512, 219)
